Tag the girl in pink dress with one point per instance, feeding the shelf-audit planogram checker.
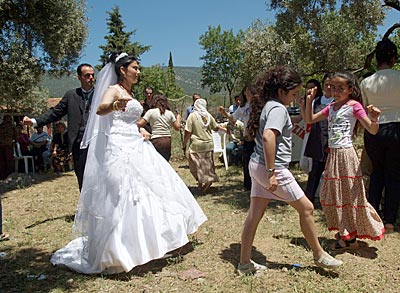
(342, 194)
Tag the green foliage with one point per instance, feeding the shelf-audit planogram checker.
(261, 50)
(325, 35)
(118, 40)
(161, 79)
(396, 40)
(36, 35)
(222, 59)
(19, 90)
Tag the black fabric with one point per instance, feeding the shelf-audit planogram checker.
(317, 143)
(248, 149)
(384, 151)
(77, 110)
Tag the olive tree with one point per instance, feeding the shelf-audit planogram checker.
(37, 36)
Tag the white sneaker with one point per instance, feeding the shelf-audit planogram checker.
(251, 268)
(327, 261)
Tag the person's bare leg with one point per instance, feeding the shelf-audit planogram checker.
(254, 215)
(305, 209)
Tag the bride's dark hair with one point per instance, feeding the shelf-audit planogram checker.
(267, 86)
(121, 59)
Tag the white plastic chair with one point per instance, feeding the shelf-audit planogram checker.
(219, 139)
(18, 156)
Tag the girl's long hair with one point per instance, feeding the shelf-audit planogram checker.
(243, 98)
(352, 82)
(267, 86)
(161, 102)
(319, 92)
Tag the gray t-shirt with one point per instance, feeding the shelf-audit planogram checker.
(275, 116)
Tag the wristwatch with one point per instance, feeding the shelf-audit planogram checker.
(271, 172)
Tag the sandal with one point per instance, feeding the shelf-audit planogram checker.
(4, 237)
(348, 244)
(251, 268)
(207, 186)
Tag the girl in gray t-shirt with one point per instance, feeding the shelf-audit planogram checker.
(271, 178)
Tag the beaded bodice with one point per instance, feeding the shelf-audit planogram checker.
(124, 122)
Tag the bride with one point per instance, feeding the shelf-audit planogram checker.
(133, 206)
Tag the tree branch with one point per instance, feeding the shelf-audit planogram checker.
(394, 4)
(370, 56)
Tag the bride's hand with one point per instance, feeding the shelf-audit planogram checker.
(146, 135)
(121, 103)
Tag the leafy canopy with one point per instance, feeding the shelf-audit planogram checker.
(222, 59)
(35, 36)
(118, 40)
(328, 35)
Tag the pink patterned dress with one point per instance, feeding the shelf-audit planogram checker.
(342, 196)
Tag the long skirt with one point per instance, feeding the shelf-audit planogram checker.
(163, 146)
(62, 158)
(202, 167)
(343, 198)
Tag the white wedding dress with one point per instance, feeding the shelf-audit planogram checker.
(133, 206)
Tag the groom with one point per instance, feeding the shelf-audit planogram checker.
(76, 105)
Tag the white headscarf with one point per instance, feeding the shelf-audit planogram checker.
(200, 109)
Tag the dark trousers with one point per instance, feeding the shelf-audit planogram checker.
(384, 152)
(37, 156)
(79, 156)
(314, 178)
(248, 149)
(6, 160)
(1, 217)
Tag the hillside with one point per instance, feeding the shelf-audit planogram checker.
(187, 77)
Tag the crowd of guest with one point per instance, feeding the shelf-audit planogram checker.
(48, 152)
(259, 128)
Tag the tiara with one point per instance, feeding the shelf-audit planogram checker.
(120, 56)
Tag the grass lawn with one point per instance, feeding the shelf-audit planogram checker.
(39, 219)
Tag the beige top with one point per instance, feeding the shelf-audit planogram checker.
(160, 124)
(200, 139)
(382, 89)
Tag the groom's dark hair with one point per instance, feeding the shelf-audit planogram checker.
(79, 69)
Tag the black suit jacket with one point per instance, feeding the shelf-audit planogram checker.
(71, 104)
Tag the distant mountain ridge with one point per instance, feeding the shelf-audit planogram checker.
(189, 78)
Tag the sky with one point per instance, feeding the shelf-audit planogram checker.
(175, 25)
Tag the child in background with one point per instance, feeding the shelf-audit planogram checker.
(317, 143)
(342, 194)
(271, 127)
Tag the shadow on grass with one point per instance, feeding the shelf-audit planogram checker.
(22, 270)
(30, 270)
(155, 266)
(66, 218)
(21, 180)
(232, 254)
(364, 250)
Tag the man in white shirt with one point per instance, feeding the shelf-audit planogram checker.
(382, 89)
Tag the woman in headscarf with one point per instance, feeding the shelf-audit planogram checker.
(201, 160)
